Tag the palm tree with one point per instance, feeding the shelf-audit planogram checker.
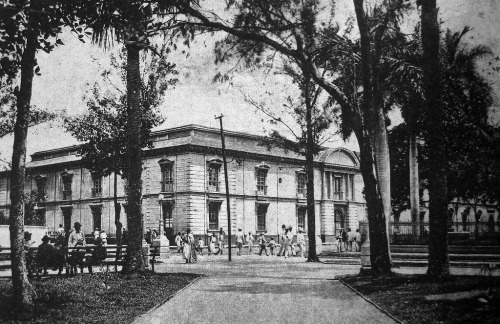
(126, 23)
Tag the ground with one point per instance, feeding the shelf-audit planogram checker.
(263, 289)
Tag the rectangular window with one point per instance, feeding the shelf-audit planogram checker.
(213, 215)
(301, 184)
(261, 182)
(301, 217)
(167, 178)
(167, 214)
(96, 186)
(328, 178)
(66, 188)
(213, 178)
(40, 188)
(261, 217)
(338, 189)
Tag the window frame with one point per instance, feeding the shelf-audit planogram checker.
(299, 215)
(261, 218)
(213, 176)
(261, 180)
(214, 209)
(67, 183)
(167, 175)
(96, 189)
(301, 181)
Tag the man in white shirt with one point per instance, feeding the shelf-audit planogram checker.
(282, 240)
(350, 239)
(76, 237)
(240, 238)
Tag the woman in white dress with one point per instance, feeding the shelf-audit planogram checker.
(188, 249)
(211, 244)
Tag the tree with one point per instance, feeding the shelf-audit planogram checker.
(130, 23)
(277, 25)
(103, 128)
(25, 28)
(439, 265)
(313, 123)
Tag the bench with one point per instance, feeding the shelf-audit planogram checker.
(114, 256)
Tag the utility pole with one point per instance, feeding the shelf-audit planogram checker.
(227, 187)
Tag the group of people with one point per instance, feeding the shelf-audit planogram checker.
(349, 241)
(189, 247)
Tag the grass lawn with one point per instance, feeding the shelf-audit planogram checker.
(87, 299)
(404, 297)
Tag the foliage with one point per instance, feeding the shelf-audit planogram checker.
(400, 170)
(403, 296)
(87, 299)
(471, 143)
(48, 21)
(104, 127)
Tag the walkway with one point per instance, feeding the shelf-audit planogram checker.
(263, 290)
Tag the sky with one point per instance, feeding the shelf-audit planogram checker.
(68, 71)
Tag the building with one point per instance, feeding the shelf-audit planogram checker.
(183, 185)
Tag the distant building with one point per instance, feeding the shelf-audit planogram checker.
(183, 185)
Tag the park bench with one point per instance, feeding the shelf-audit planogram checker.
(112, 258)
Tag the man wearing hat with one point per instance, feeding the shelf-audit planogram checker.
(76, 237)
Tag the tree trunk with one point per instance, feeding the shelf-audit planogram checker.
(118, 224)
(438, 230)
(311, 210)
(374, 150)
(414, 182)
(23, 291)
(134, 262)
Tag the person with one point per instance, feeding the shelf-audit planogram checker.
(28, 243)
(211, 244)
(45, 254)
(240, 238)
(272, 245)
(357, 241)
(262, 243)
(104, 238)
(96, 233)
(76, 257)
(60, 239)
(250, 240)
(287, 242)
(220, 241)
(301, 242)
(281, 240)
(343, 239)
(292, 245)
(178, 242)
(147, 237)
(199, 247)
(60, 230)
(350, 239)
(188, 249)
(76, 237)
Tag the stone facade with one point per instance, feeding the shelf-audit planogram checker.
(183, 185)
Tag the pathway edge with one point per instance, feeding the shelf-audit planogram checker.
(151, 310)
(380, 308)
